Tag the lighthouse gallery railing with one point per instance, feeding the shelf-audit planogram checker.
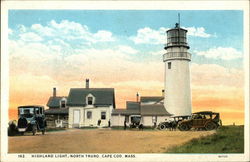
(176, 55)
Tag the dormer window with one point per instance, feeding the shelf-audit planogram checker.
(63, 103)
(90, 100)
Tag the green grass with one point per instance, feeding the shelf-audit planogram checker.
(228, 139)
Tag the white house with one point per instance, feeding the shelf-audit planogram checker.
(150, 110)
(90, 106)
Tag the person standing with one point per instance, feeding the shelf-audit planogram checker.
(109, 124)
(99, 122)
(125, 124)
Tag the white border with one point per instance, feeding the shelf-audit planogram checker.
(122, 5)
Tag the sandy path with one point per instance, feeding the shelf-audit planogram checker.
(101, 141)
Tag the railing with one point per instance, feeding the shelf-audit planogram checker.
(175, 43)
(177, 55)
(172, 44)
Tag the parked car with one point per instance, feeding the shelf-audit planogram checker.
(207, 120)
(135, 121)
(172, 124)
(31, 118)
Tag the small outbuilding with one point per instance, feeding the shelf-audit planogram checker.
(150, 111)
(57, 114)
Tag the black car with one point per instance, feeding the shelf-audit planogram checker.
(31, 118)
(172, 124)
(135, 121)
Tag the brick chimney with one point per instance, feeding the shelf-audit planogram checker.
(137, 97)
(87, 83)
(54, 92)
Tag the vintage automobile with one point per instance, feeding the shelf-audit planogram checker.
(135, 121)
(206, 120)
(31, 118)
(173, 122)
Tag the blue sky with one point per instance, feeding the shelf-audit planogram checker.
(224, 27)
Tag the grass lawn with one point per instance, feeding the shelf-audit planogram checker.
(228, 139)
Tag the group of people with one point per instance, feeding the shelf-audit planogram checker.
(133, 125)
(99, 123)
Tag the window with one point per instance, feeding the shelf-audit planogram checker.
(89, 114)
(90, 100)
(169, 65)
(103, 115)
(37, 110)
(63, 104)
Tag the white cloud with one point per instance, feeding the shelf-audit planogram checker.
(161, 52)
(197, 32)
(41, 30)
(150, 36)
(127, 49)
(102, 36)
(10, 31)
(215, 75)
(225, 53)
(21, 28)
(30, 37)
(69, 30)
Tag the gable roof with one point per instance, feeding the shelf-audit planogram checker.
(151, 98)
(154, 109)
(103, 96)
(55, 101)
(132, 105)
(61, 111)
(126, 111)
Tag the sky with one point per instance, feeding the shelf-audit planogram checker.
(123, 50)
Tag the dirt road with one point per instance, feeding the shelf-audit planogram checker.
(101, 141)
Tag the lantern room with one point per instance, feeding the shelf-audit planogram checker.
(176, 37)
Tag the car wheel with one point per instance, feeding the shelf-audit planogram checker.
(34, 129)
(184, 127)
(162, 126)
(210, 126)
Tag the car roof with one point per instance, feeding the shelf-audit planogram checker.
(180, 116)
(205, 112)
(26, 106)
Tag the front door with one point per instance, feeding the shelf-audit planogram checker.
(76, 118)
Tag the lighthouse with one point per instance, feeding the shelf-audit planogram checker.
(177, 96)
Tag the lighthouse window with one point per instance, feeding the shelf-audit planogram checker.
(169, 65)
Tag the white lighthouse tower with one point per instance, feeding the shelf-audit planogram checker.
(177, 99)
